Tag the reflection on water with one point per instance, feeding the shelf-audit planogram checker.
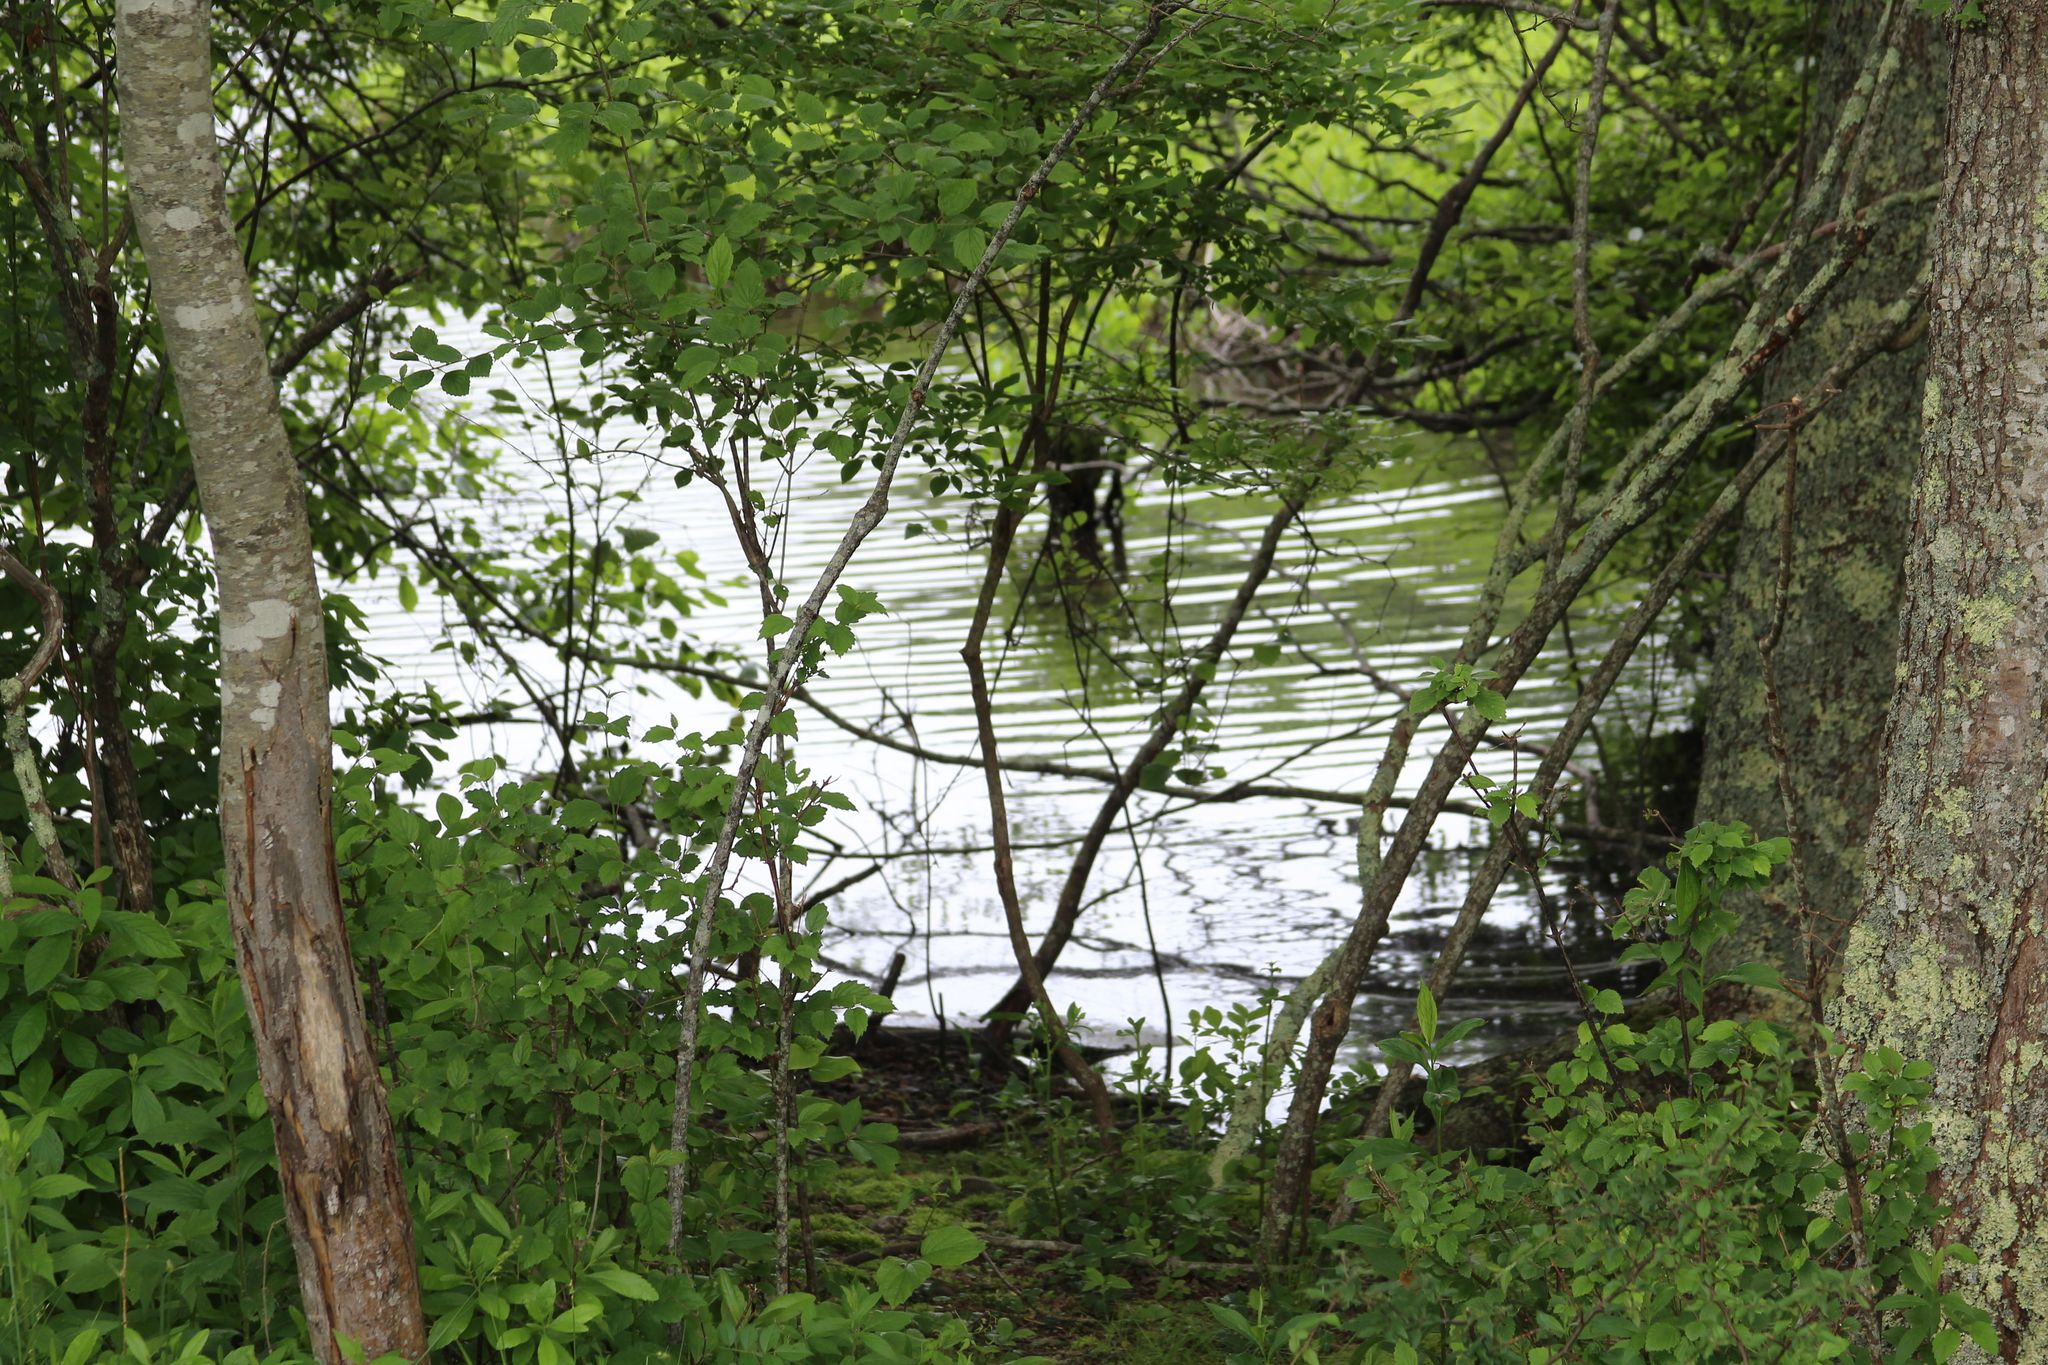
(1192, 904)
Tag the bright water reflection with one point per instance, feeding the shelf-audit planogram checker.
(1193, 905)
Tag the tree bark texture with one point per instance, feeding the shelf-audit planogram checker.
(1948, 959)
(345, 1201)
(1836, 651)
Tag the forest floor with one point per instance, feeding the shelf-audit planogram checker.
(1076, 1269)
(1015, 1165)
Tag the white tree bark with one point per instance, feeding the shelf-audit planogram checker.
(344, 1199)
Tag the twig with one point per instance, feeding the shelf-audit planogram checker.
(1582, 313)
(1550, 13)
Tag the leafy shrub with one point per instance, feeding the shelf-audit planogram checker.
(522, 968)
(1679, 1204)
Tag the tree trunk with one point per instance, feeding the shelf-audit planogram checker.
(344, 1199)
(1948, 960)
(1836, 651)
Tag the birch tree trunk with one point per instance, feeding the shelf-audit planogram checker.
(1948, 959)
(344, 1199)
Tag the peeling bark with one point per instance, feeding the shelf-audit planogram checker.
(1836, 654)
(344, 1199)
(1948, 958)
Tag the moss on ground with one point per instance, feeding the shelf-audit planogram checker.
(1152, 1334)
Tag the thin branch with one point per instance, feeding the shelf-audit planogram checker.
(870, 515)
(1550, 13)
(346, 309)
(14, 693)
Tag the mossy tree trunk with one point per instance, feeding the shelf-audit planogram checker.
(1947, 961)
(344, 1200)
(1835, 654)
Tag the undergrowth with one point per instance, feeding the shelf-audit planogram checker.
(1671, 1199)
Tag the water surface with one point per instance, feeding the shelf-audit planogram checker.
(1191, 904)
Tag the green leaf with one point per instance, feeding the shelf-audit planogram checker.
(492, 1218)
(45, 961)
(718, 263)
(1235, 1321)
(450, 1327)
(537, 61)
(454, 34)
(83, 1345)
(1755, 974)
(1425, 1014)
(55, 1185)
(898, 1279)
(950, 1246)
(145, 1108)
(970, 244)
(29, 1031)
(775, 625)
(747, 289)
(139, 934)
(505, 23)
(856, 604)
(957, 197)
(428, 344)
(575, 1320)
(1401, 1050)
(90, 1087)
(785, 1308)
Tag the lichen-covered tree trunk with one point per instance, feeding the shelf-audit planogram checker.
(344, 1199)
(1948, 958)
(1834, 655)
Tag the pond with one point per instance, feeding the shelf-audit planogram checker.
(1192, 904)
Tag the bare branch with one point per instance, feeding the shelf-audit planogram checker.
(14, 693)
(1127, 66)
(1549, 13)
